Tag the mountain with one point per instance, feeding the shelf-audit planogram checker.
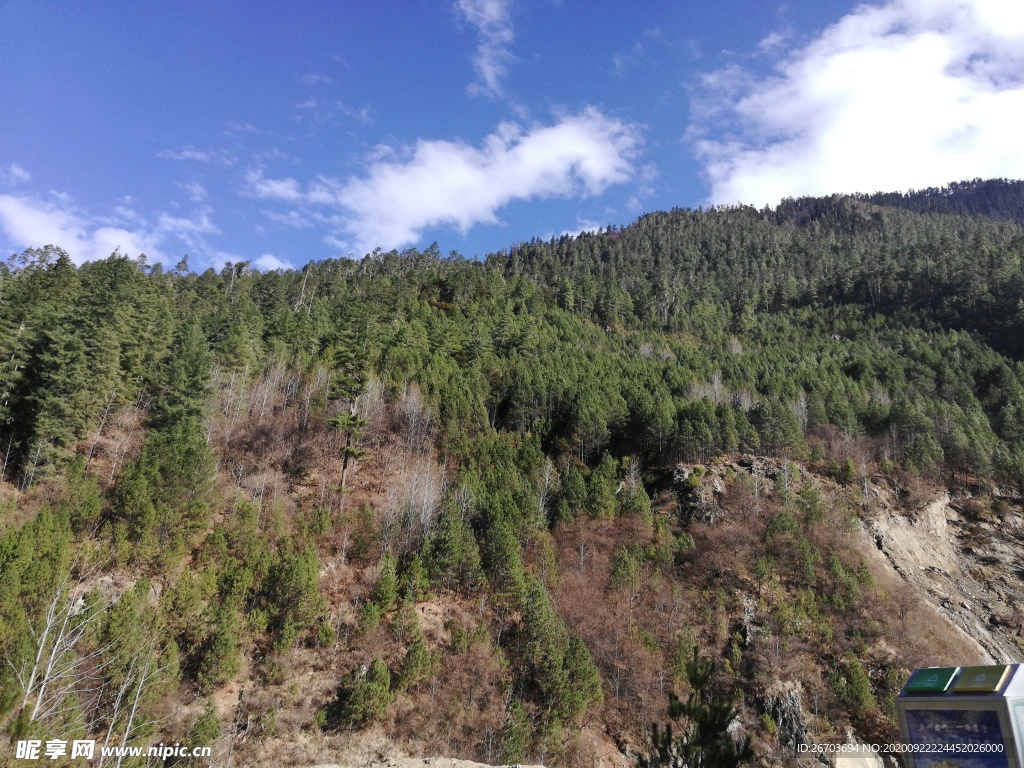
(994, 198)
(504, 510)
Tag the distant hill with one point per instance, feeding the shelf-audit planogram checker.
(995, 198)
(959, 265)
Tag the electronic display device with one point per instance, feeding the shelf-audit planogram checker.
(963, 717)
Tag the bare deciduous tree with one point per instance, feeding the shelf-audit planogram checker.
(799, 408)
(55, 671)
(142, 671)
(548, 485)
(414, 419)
(316, 382)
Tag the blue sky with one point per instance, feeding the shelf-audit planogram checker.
(279, 133)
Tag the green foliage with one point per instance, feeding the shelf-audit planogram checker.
(81, 498)
(923, 455)
(220, 658)
(385, 593)
(368, 695)
(809, 502)
(170, 663)
(557, 669)
(573, 496)
(852, 685)
(704, 718)
(764, 571)
(515, 734)
(206, 729)
(406, 622)
(783, 525)
(34, 566)
(778, 428)
(414, 582)
(452, 556)
(459, 637)
(320, 720)
(162, 497)
(326, 637)
(319, 522)
(1010, 465)
(503, 559)
(186, 382)
(682, 337)
(420, 664)
(370, 615)
(843, 586)
(292, 596)
(627, 568)
(582, 682)
(633, 499)
(601, 499)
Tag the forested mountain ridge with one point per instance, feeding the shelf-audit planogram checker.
(958, 270)
(489, 508)
(995, 198)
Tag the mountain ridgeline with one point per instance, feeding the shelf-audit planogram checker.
(951, 266)
(501, 508)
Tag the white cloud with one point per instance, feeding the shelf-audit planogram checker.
(268, 262)
(29, 221)
(195, 191)
(909, 94)
(14, 174)
(123, 215)
(493, 21)
(189, 230)
(319, 113)
(450, 183)
(773, 42)
(624, 62)
(198, 155)
(292, 219)
(256, 185)
(584, 225)
(364, 115)
(233, 129)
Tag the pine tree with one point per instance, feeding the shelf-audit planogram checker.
(185, 387)
(385, 594)
(704, 740)
(369, 694)
(453, 558)
(221, 658)
(293, 596)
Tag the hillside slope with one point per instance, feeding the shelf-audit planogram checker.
(418, 506)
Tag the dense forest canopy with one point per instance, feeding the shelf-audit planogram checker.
(211, 435)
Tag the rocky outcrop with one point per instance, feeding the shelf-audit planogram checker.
(697, 504)
(782, 702)
(968, 569)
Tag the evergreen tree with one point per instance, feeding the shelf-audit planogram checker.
(704, 719)
(369, 694)
(185, 387)
(220, 658)
(293, 597)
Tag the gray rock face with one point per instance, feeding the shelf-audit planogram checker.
(782, 701)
